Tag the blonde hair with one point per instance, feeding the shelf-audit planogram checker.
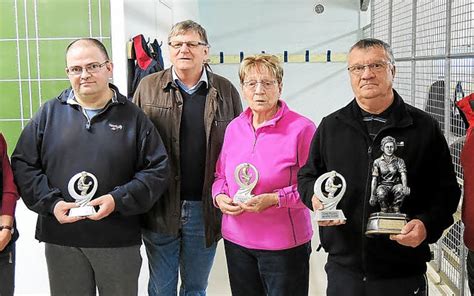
(265, 61)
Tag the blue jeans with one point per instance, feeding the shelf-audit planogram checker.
(273, 273)
(7, 271)
(186, 254)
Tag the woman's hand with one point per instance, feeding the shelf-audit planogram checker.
(5, 237)
(260, 202)
(227, 206)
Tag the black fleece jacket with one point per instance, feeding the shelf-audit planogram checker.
(342, 143)
(120, 146)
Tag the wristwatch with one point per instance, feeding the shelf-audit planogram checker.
(2, 227)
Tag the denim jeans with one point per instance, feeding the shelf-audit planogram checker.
(273, 273)
(7, 271)
(185, 254)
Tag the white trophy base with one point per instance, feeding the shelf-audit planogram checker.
(243, 198)
(326, 215)
(81, 211)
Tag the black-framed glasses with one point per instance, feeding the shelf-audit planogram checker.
(252, 84)
(189, 44)
(374, 67)
(91, 68)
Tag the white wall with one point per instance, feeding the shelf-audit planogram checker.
(313, 89)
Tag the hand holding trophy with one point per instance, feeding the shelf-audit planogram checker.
(334, 188)
(82, 182)
(388, 190)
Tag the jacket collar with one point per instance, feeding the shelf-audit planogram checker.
(398, 117)
(68, 93)
(247, 115)
(167, 81)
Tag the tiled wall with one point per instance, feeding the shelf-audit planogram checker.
(33, 38)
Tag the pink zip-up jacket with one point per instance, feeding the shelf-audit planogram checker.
(277, 149)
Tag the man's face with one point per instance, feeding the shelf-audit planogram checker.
(375, 82)
(88, 85)
(188, 58)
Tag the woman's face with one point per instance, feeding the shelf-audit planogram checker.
(388, 148)
(261, 90)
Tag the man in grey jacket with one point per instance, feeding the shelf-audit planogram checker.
(191, 107)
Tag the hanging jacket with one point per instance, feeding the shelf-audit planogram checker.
(147, 62)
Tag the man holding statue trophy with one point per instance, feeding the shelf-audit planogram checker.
(89, 162)
(401, 190)
(266, 228)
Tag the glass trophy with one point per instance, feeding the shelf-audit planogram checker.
(246, 176)
(329, 189)
(82, 188)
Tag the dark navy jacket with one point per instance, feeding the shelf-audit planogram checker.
(120, 146)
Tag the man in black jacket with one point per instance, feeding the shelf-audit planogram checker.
(348, 141)
(90, 143)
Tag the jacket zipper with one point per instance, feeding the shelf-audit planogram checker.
(364, 210)
(89, 120)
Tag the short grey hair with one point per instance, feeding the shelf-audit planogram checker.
(372, 42)
(186, 26)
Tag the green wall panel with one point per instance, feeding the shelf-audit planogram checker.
(8, 60)
(52, 58)
(40, 47)
(7, 19)
(9, 100)
(11, 130)
(61, 18)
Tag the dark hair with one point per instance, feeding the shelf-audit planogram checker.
(372, 42)
(186, 26)
(91, 41)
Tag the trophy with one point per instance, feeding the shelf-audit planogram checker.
(388, 190)
(246, 176)
(329, 188)
(82, 182)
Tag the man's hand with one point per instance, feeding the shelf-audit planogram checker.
(413, 234)
(106, 204)
(61, 210)
(317, 206)
(260, 202)
(227, 206)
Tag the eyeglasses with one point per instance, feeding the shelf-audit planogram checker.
(252, 84)
(91, 68)
(375, 68)
(189, 44)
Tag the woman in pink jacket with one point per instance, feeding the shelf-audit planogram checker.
(266, 228)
